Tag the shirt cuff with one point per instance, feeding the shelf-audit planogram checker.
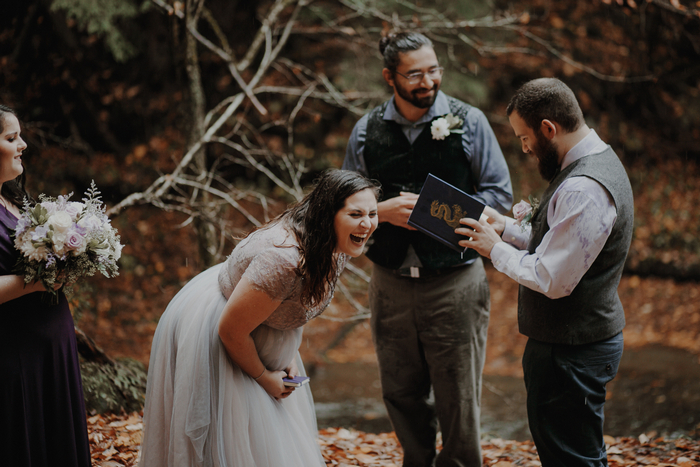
(514, 235)
(500, 253)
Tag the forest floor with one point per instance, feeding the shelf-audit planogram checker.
(115, 441)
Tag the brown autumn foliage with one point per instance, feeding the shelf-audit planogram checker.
(115, 442)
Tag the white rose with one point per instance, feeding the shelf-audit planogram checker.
(50, 207)
(453, 121)
(58, 239)
(440, 128)
(73, 208)
(91, 222)
(60, 221)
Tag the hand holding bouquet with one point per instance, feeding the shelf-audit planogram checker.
(61, 241)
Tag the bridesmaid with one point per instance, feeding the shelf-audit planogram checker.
(42, 411)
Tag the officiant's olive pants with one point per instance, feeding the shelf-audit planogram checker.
(431, 332)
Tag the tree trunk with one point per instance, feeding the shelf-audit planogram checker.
(206, 233)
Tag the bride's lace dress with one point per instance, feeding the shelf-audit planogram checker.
(201, 409)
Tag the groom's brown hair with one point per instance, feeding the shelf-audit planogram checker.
(547, 99)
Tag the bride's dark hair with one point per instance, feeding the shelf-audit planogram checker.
(13, 190)
(312, 222)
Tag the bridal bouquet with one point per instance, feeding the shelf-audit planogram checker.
(61, 241)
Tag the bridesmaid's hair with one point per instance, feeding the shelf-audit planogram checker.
(312, 220)
(13, 190)
(393, 44)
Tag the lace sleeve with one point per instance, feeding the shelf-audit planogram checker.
(273, 272)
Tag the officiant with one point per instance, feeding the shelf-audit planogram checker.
(429, 304)
(567, 252)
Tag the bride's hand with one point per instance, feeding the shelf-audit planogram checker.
(272, 383)
(292, 370)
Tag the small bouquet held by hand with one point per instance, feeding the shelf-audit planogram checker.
(61, 241)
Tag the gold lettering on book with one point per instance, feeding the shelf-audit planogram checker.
(450, 216)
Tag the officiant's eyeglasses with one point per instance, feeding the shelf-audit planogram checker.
(417, 77)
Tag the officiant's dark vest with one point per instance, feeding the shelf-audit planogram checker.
(593, 311)
(402, 166)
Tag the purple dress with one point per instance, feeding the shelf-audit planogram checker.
(42, 411)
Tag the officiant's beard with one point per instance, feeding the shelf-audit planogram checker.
(547, 157)
(413, 98)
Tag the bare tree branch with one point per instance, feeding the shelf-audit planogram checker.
(508, 22)
(579, 65)
(231, 67)
(269, 20)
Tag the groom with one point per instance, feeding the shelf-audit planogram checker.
(568, 262)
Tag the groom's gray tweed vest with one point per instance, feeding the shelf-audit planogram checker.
(402, 166)
(593, 311)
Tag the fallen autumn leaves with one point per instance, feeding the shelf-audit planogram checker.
(115, 441)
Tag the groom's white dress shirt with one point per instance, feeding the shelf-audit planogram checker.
(580, 215)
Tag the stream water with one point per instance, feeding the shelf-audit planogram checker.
(657, 390)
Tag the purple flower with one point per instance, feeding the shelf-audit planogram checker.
(521, 210)
(39, 234)
(75, 241)
(22, 225)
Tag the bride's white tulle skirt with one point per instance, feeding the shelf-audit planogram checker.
(202, 410)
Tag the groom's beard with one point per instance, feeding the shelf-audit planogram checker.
(547, 157)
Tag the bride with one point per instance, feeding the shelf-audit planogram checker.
(215, 394)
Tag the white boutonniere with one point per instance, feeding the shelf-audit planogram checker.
(443, 126)
(524, 211)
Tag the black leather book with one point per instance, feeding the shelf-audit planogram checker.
(439, 208)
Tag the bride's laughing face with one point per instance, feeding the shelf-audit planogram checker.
(355, 222)
(11, 147)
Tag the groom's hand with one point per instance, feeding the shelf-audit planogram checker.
(482, 236)
(495, 219)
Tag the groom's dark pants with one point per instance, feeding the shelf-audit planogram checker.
(565, 398)
(431, 331)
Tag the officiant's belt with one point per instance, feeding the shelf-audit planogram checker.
(425, 273)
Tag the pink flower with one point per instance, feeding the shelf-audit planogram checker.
(521, 210)
(75, 242)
